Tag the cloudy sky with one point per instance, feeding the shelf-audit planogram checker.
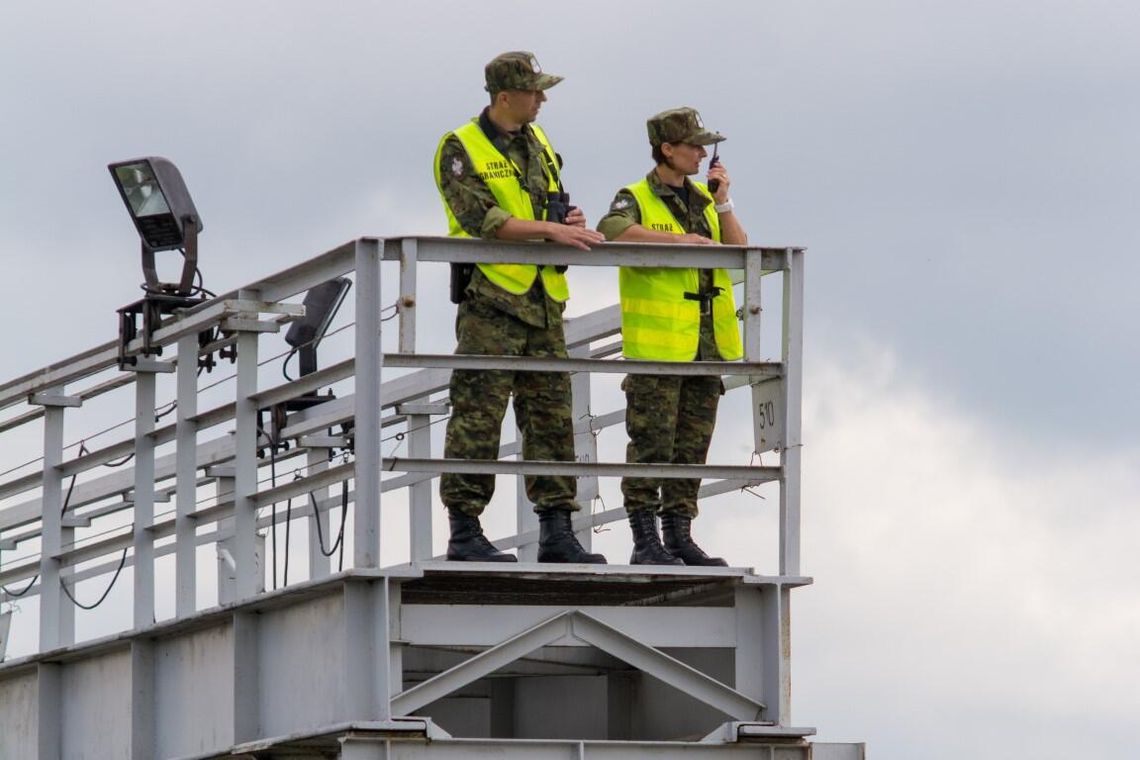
(965, 175)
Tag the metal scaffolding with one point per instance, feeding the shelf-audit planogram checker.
(420, 658)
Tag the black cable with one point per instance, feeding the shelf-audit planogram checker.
(67, 498)
(82, 606)
(159, 415)
(273, 506)
(121, 462)
(285, 365)
(25, 591)
(343, 519)
(199, 287)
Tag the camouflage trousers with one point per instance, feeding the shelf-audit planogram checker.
(479, 401)
(669, 420)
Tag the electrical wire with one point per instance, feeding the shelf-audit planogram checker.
(27, 588)
(121, 462)
(273, 506)
(285, 365)
(67, 499)
(21, 466)
(343, 519)
(199, 288)
(82, 606)
(159, 415)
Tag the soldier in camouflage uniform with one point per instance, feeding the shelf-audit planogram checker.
(499, 180)
(691, 316)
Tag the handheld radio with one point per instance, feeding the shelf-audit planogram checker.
(714, 184)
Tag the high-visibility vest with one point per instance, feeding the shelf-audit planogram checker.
(501, 176)
(657, 321)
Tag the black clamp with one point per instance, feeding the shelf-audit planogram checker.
(706, 298)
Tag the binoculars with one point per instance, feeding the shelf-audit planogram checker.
(557, 207)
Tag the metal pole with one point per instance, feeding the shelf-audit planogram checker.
(419, 494)
(585, 445)
(526, 519)
(752, 311)
(793, 340)
(144, 498)
(245, 460)
(57, 616)
(407, 303)
(366, 521)
(419, 421)
(186, 433)
(776, 637)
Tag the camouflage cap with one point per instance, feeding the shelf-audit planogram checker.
(517, 70)
(680, 125)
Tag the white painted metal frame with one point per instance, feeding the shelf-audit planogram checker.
(372, 612)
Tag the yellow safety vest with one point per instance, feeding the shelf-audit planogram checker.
(657, 321)
(501, 176)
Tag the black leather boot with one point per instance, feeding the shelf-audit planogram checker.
(557, 542)
(468, 544)
(679, 541)
(647, 548)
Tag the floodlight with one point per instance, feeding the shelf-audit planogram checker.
(321, 305)
(304, 335)
(164, 215)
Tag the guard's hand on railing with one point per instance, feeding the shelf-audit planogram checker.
(578, 237)
(692, 238)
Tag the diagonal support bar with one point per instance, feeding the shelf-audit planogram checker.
(665, 668)
(482, 664)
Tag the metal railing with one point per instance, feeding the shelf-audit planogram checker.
(62, 522)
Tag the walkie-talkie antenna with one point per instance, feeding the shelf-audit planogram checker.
(714, 184)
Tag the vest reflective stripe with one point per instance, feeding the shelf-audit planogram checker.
(657, 322)
(501, 176)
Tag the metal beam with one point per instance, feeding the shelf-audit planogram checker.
(57, 616)
(667, 669)
(792, 350)
(611, 366)
(482, 664)
(245, 463)
(366, 430)
(185, 561)
(603, 255)
(143, 507)
(577, 469)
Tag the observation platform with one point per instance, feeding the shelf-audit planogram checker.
(417, 658)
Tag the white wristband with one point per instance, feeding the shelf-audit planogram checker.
(724, 208)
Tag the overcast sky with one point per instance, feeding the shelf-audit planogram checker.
(964, 174)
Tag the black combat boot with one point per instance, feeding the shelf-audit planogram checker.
(468, 544)
(647, 548)
(557, 542)
(679, 541)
